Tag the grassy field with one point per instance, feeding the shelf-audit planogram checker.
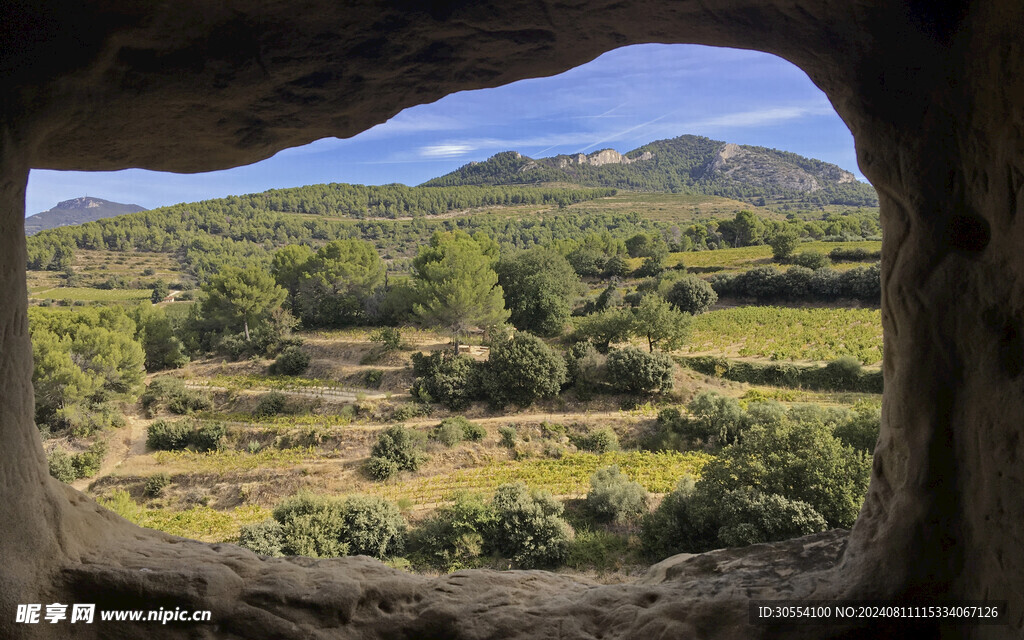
(568, 476)
(671, 207)
(797, 334)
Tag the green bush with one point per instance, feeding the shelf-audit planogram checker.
(179, 435)
(209, 437)
(322, 527)
(374, 378)
(372, 526)
(812, 260)
(508, 436)
(750, 517)
(62, 466)
(528, 527)
(599, 441)
(453, 537)
(389, 338)
(634, 371)
(156, 484)
(799, 461)
(522, 370)
(450, 432)
(399, 445)
(169, 436)
(188, 401)
(692, 295)
(381, 468)
(263, 538)
(87, 463)
(599, 550)
(311, 526)
(700, 517)
(453, 380)
(473, 432)
(860, 431)
(844, 371)
(293, 361)
(270, 404)
(613, 496)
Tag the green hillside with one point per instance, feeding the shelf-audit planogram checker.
(687, 164)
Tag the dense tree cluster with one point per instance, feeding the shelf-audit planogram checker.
(800, 283)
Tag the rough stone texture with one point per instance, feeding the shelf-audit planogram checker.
(933, 93)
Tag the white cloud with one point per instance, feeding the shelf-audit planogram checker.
(446, 150)
(760, 117)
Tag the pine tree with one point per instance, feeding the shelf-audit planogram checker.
(457, 285)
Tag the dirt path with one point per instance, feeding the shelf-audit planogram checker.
(129, 441)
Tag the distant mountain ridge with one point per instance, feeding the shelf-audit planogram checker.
(687, 164)
(77, 211)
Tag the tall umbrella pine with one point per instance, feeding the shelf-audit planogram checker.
(241, 297)
(457, 285)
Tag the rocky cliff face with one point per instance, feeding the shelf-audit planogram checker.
(601, 158)
(744, 165)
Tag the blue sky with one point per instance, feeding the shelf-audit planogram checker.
(621, 100)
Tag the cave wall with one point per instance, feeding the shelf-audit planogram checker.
(933, 94)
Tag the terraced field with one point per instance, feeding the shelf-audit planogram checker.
(801, 334)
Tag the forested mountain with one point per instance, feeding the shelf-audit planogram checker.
(687, 164)
(77, 211)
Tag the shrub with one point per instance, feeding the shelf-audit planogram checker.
(860, 431)
(784, 242)
(156, 484)
(454, 536)
(322, 527)
(599, 441)
(374, 378)
(799, 461)
(692, 295)
(399, 445)
(209, 437)
(263, 538)
(311, 526)
(372, 526)
(522, 370)
(388, 338)
(61, 466)
(600, 550)
(270, 404)
(169, 436)
(812, 260)
(87, 463)
(188, 401)
(635, 371)
(844, 371)
(585, 366)
(453, 380)
(381, 468)
(613, 496)
(450, 432)
(699, 517)
(473, 432)
(508, 436)
(528, 528)
(292, 361)
(747, 516)
(615, 267)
